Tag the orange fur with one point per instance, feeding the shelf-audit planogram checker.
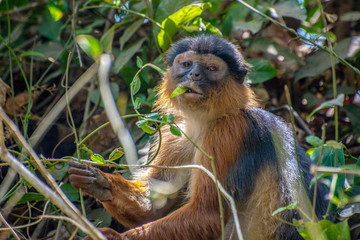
(255, 216)
(126, 198)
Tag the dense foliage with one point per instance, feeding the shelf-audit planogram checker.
(49, 51)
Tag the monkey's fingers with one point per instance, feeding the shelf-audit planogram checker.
(81, 172)
(81, 181)
(92, 174)
(108, 233)
(91, 187)
(77, 164)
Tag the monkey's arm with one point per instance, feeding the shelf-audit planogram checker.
(129, 201)
(197, 219)
(125, 200)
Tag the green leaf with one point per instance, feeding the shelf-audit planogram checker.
(168, 7)
(200, 25)
(171, 119)
(97, 158)
(129, 32)
(176, 20)
(331, 103)
(353, 112)
(164, 120)
(318, 177)
(138, 102)
(274, 49)
(279, 210)
(261, 71)
(89, 28)
(332, 37)
(175, 130)
(139, 62)
(325, 229)
(236, 12)
(106, 40)
(50, 28)
(85, 148)
(9, 5)
(90, 45)
(60, 170)
(50, 49)
(135, 85)
(146, 128)
(211, 28)
(141, 123)
(290, 8)
(357, 178)
(320, 61)
(116, 154)
(333, 144)
(32, 53)
(55, 12)
(127, 54)
(180, 89)
(253, 25)
(31, 197)
(100, 217)
(152, 116)
(329, 160)
(70, 192)
(314, 141)
(312, 100)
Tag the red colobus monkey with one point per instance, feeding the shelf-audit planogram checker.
(253, 151)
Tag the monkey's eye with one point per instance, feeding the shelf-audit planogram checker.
(186, 64)
(212, 68)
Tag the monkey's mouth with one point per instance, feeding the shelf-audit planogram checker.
(192, 92)
(189, 90)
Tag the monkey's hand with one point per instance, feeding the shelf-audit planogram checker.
(90, 180)
(109, 233)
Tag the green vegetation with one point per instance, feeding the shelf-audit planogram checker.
(50, 52)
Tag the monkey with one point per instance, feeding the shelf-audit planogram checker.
(253, 151)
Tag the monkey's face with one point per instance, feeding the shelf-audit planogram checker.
(201, 74)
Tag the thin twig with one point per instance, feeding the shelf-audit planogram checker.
(322, 169)
(9, 227)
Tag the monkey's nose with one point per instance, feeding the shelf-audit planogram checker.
(195, 76)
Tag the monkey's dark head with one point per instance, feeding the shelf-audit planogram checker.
(205, 65)
(214, 45)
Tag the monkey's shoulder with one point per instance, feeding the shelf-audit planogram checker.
(267, 144)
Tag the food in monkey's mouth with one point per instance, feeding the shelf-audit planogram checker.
(185, 90)
(180, 89)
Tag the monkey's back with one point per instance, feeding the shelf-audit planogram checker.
(266, 177)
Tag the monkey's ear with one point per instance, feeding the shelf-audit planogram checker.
(234, 59)
(240, 74)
